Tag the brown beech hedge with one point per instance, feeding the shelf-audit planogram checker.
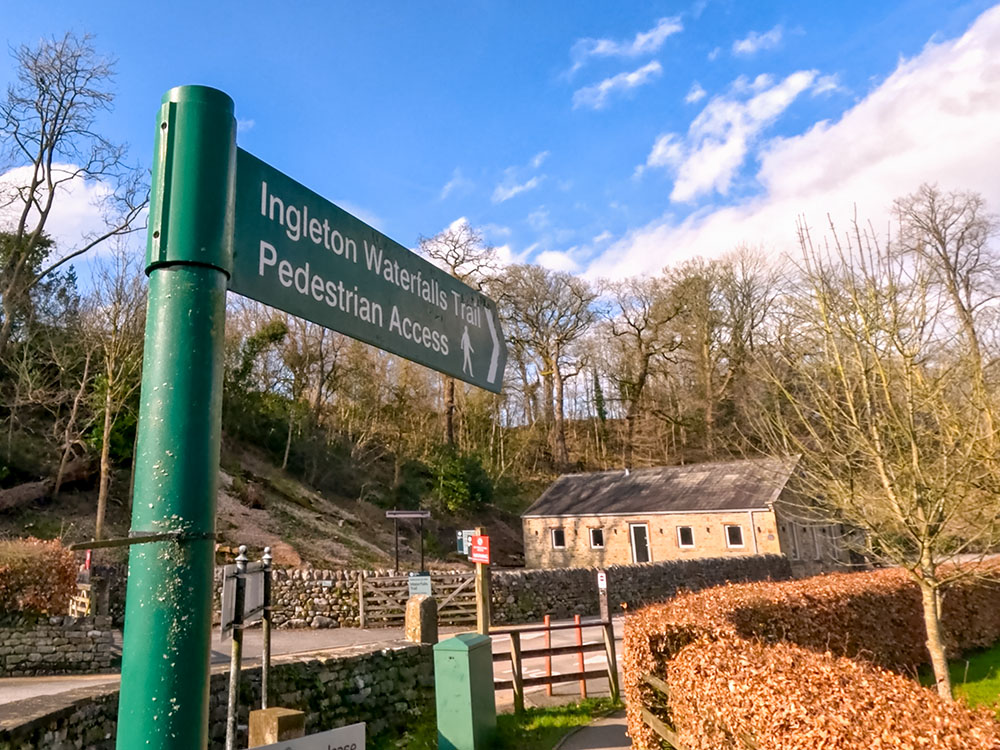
(844, 630)
(36, 577)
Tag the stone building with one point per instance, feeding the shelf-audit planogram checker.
(722, 509)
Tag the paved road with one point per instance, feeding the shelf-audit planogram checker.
(291, 642)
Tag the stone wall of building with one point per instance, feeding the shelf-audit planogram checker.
(705, 535)
(32, 646)
(527, 595)
(382, 686)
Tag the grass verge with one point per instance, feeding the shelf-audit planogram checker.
(535, 729)
(974, 678)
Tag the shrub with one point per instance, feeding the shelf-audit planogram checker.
(873, 617)
(36, 577)
(796, 699)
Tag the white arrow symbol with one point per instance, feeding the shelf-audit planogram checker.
(495, 357)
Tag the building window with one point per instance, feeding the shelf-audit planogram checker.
(734, 536)
(685, 536)
(597, 538)
(558, 539)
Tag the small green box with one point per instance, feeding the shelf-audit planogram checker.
(463, 685)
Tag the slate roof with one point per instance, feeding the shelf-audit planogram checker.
(730, 485)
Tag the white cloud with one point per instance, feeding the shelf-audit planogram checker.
(242, 126)
(539, 219)
(720, 137)
(714, 54)
(457, 184)
(507, 190)
(826, 84)
(755, 41)
(602, 237)
(696, 94)
(644, 43)
(556, 260)
(76, 211)
(538, 159)
(596, 96)
(935, 119)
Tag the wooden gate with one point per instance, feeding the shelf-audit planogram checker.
(382, 599)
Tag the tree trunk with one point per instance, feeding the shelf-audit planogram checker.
(709, 396)
(935, 643)
(633, 410)
(70, 424)
(105, 482)
(288, 440)
(449, 410)
(562, 454)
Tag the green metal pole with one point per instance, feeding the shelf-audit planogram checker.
(168, 613)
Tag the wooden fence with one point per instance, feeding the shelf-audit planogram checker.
(517, 656)
(660, 699)
(382, 599)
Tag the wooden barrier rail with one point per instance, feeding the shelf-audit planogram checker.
(517, 656)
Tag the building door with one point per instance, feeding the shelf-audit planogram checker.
(640, 542)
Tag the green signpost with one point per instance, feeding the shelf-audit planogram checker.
(219, 216)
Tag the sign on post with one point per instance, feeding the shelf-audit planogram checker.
(479, 549)
(253, 596)
(297, 251)
(351, 737)
(464, 540)
(602, 580)
(419, 583)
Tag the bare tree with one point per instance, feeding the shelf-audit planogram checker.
(47, 132)
(115, 321)
(641, 323)
(464, 253)
(870, 388)
(546, 312)
(951, 232)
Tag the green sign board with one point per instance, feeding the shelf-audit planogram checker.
(298, 252)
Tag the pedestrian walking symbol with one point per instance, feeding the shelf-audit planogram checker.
(467, 350)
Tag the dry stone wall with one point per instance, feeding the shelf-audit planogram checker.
(309, 598)
(384, 687)
(527, 595)
(32, 646)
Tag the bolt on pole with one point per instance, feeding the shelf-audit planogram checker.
(168, 615)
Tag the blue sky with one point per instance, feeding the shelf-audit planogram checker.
(601, 138)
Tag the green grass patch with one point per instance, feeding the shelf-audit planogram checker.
(535, 729)
(975, 678)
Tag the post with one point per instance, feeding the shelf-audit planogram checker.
(265, 668)
(609, 649)
(421, 545)
(579, 656)
(361, 600)
(236, 655)
(168, 615)
(602, 595)
(517, 678)
(482, 593)
(548, 659)
(395, 531)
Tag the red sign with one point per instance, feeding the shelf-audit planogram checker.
(479, 549)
